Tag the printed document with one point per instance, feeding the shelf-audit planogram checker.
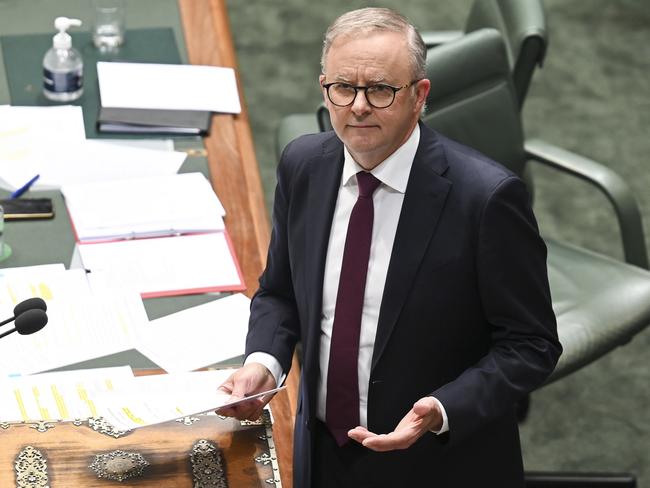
(149, 400)
(62, 395)
(83, 322)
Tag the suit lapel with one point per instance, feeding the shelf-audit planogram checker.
(424, 200)
(324, 180)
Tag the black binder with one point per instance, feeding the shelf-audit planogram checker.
(149, 121)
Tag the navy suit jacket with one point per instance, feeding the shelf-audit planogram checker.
(466, 313)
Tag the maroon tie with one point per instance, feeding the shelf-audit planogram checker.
(342, 405)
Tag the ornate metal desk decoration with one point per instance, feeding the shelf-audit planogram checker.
(245, 423)
(188, 420)
(207, 466)
(100, 425)
(119, 465)
(31, 469)
(41, 426)
(271, 456)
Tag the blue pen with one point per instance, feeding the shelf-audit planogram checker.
(25, 187)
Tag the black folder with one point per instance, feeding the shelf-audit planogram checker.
(150, 121)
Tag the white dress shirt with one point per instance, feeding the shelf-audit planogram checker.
(393, 173)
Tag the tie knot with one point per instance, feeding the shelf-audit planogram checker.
(367, 183)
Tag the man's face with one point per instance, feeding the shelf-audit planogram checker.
(372, 134)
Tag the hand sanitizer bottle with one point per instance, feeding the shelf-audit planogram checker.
(62, 65)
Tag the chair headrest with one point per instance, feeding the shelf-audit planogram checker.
(466, 65)
(517, 20)
(472, 98)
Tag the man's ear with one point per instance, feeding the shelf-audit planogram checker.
(321, 80)
(421, 92)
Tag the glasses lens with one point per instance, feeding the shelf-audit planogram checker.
(341, 94)
(380, 96)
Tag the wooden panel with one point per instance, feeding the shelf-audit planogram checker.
(236, 179)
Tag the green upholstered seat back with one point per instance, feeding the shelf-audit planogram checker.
(522, 24)
(472, 97)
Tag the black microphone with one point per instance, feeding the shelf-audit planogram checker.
(28, 322)
(29, 304)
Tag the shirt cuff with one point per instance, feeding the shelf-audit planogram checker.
(270, 363)
(445, 421)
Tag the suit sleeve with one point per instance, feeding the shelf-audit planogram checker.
(274, 326)
(513, 286)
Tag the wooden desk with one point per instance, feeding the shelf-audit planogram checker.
(203, 451)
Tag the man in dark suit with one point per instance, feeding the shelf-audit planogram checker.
(411, 269)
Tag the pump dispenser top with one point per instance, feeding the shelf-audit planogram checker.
(62, 40)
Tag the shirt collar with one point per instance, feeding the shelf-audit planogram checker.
(393, 171)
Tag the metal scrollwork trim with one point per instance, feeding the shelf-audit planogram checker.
(188, 420)
(41, 426)
(268, 424)
(31, 469)
(207, 466)
(119, 465)
(100, 425)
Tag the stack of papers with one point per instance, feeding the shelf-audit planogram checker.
(86, 321)
(90, 318)
(124, 401)
(143, 207)
(167, 266)
(145, 97)
(135, 232)
(50, 142)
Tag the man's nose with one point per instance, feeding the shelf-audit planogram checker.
(360, 106)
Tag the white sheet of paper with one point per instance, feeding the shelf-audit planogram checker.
(82, 324)
(211, 332)
(28, 133)
(167, 265)
(168, 86)
(150, 400)
(144, 207)
(89, 161)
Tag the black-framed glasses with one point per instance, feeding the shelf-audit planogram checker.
(378, 96)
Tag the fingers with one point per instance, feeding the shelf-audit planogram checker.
(359, 434)
(246, 381)
(425, 406)
(382, 442)
(389, 442)
(250, 410)
(428, 409)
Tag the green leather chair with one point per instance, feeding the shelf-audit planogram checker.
(600, 302)
(522, 24)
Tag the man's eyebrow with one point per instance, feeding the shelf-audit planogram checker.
(379, 80)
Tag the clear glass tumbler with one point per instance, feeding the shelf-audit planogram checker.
(110, 23)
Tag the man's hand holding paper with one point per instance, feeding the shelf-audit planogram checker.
(251, 379)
